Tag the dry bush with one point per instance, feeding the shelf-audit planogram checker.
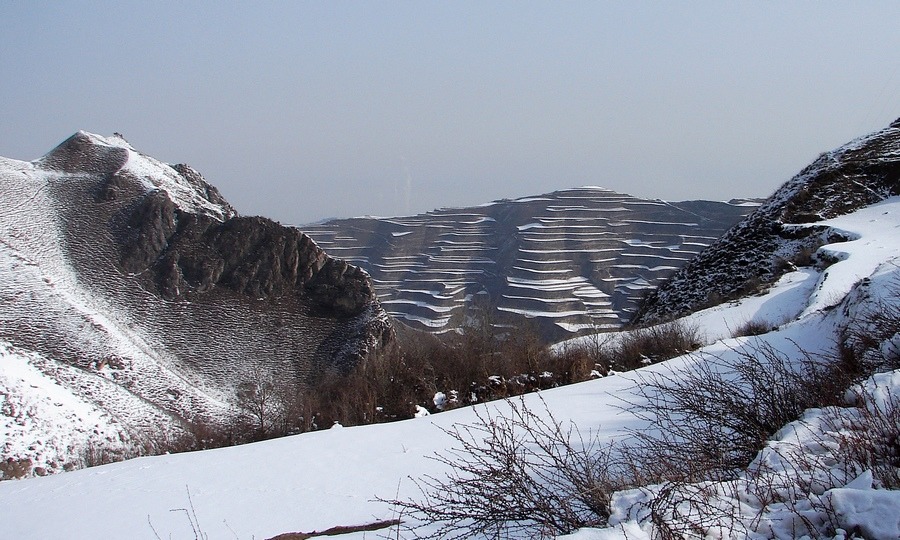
(653, 344)
(872, 441)
(524, 473)
(571, 365)
(479, 364)
(636, 348)
(680, 510)
(753, 327)
(870, 343)
(709, 422)
(205, 435)
(529, 475)
(710, 419)
(15, 468)
(257, 399)
(598, 349)
(713, 418)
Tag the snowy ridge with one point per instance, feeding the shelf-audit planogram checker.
(44, 298)
(567, 261)
(189, 192)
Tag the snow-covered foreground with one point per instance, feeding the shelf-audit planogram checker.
(318, 480)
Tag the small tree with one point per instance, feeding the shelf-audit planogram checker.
(258, 399)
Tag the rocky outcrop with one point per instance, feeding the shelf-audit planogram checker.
(760, 249)
(189, 254)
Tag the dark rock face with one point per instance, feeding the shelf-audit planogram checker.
(760, 249)
(152, 223)
(560, 263)
(189, 254)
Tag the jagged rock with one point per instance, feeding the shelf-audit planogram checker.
(190, 254)
(199, 183)
(150, 227)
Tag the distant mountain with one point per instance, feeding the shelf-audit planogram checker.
(133, 301)
(777, 237)
(564, 262)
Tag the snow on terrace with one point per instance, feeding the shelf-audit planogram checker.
(574, 291)
(322, 479)
(572, 223)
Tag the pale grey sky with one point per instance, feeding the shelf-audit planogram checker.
(305, 110)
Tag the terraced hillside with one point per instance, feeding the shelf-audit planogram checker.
(566, 261)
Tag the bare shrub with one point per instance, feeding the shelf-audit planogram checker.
(256, 397)
(710, 419)
(523, 473)
(94, 454)
(529, 475)
(753, 327)
(597, 348)
(871, 342)
(204, 434)
(872, 441)
(653, 344)
(680, 510)
(571, 366)
(15, 468)
(385, 386)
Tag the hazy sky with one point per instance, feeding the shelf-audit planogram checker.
(305, 110)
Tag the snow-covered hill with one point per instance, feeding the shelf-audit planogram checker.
(781, 235)
(565, 262)
(133, 300)
(319, 480)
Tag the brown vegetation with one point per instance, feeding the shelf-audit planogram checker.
(474, 366)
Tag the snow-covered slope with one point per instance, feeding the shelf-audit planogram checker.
(133, 300)
(318, 480)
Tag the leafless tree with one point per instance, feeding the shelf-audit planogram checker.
(258, 398)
